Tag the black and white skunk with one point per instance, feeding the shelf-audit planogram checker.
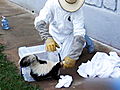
(40, 69)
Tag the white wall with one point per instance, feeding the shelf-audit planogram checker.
(103, 25)
(102, 18)
(32, 5)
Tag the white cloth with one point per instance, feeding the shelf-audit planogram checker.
(61, 29)
(102, 66)
(64, 81)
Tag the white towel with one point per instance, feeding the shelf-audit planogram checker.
(64, 81)
(102, 66)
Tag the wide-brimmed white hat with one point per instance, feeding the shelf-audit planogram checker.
(71, 7)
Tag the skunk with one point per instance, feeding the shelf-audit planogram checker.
(40, 69)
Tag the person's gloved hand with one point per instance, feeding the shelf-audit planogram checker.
(68, 62)
(51, 45)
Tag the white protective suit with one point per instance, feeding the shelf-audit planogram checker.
(63, 28)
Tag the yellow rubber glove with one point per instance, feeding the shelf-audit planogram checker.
(51, 45)
(68, 62)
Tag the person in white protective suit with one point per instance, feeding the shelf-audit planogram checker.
(61, 24)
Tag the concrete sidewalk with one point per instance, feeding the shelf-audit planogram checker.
(23, 33)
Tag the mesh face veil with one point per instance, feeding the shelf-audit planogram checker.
(70, 1)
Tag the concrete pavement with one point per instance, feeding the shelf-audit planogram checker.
(23, 33)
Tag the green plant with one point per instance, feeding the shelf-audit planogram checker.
(9, 77)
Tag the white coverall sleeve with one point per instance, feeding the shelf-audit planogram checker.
(42, 21)
(79, 34)
(78, 24)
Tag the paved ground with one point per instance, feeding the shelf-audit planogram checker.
(23, 33)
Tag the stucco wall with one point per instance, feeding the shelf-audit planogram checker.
(102, 18)
(32, 5)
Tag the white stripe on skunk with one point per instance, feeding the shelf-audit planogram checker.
(41, 69)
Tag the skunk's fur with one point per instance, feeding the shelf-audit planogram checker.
(40, 69)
